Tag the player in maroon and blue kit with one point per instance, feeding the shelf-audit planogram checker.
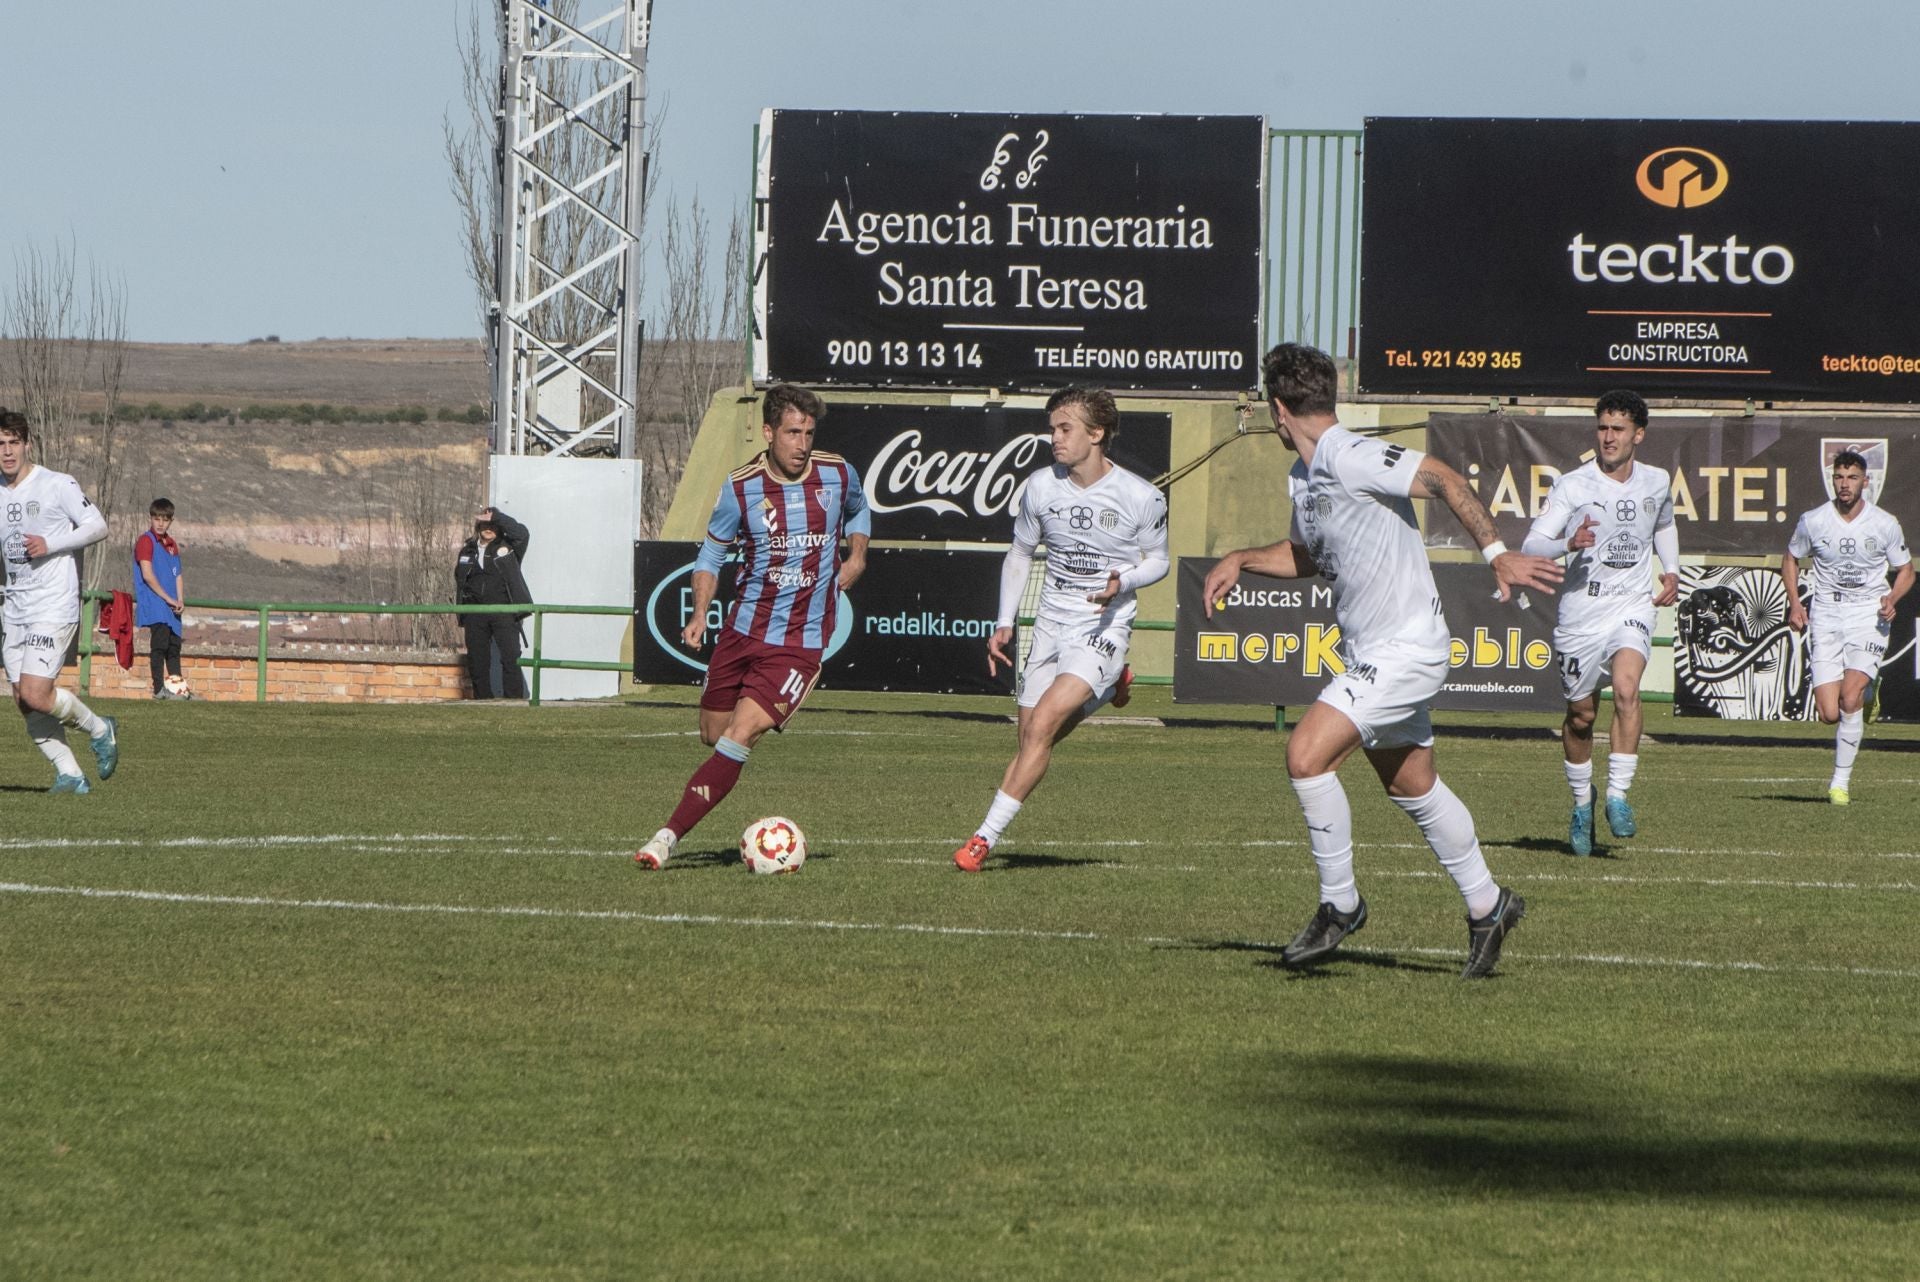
(788, 510)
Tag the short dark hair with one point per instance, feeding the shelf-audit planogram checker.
(782, 397)
(160, 507)
(1621, 401)
(1095, 404)
(16, 422)
(1301, 378)
(1848, 458)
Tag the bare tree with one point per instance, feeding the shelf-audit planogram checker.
(424, 528)
(69, 349)
(701, 329)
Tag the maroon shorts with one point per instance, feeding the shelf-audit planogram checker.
(778, 678)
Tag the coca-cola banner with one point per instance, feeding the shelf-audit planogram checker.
(1739, 484)
(954, 474)
(934, 249)
(918, 619)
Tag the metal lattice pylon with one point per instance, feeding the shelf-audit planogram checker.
(568, 271)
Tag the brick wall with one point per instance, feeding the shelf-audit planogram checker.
(304, 679)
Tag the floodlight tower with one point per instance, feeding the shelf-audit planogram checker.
(568, 266)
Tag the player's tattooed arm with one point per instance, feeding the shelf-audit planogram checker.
(1512, 570)
(1438, 481)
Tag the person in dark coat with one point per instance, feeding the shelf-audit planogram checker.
(488, 573)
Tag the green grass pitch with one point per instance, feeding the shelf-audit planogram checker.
(377, 992)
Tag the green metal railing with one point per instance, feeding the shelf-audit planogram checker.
(1312, 290)
(534, 660)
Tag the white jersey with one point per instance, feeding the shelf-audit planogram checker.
(45, 590)
(1117, 524)
(1850, 558)
(1615, 573)
(1352, 513)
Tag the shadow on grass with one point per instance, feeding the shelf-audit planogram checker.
(1548, 846)
(1536, 1132)
(691, 860)
(1016, 862)
(1793, 798)
(1325, 968)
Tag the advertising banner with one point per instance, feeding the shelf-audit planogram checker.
(1276, 642)
(954, 474)
(927, 249)
(1739, 484)
(1722, 260)
(918, 619)
(1735, 657)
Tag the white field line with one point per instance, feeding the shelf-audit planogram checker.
(456, 844)
(901, 928)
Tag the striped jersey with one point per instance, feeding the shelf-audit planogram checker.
(787, 592)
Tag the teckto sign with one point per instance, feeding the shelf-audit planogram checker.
(1010, 251)
(1716, 260)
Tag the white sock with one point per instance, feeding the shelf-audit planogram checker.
(1330, 833)
(1580, 779)
(1846, 746)
(999, 815)
(71, 712)
(52, 742)
(1620, 768)
(1448, 828)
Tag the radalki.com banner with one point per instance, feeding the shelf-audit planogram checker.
(932, 249)
(918, 619)
(1276, 642)
(1739, 484)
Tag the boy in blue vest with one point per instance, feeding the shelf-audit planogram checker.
(159, 588)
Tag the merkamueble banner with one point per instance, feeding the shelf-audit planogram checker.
(1276, 642)
(955, 474)
(1718, 260)
(1012, 251)
(1739, 484)
(918, 619)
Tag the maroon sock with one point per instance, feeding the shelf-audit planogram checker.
(708, 787)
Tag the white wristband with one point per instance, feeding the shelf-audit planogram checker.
(1492, 550)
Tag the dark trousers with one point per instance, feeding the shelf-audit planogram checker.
(487, 633)
(163, 653)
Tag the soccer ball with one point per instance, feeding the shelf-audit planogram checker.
(773, 845)
(177, 686)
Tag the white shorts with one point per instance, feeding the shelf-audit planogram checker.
(1387, 692)
(37, 649)
(1094, 651)
(1846, 637)
(1586, 656)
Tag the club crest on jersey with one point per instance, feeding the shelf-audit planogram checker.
(1874, 449)
(33, 510)
(1109, 519)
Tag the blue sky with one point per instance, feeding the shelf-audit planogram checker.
(256, 167)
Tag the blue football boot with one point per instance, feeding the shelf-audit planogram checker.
(106, 749)
(1580, 830)
(1620, 817)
